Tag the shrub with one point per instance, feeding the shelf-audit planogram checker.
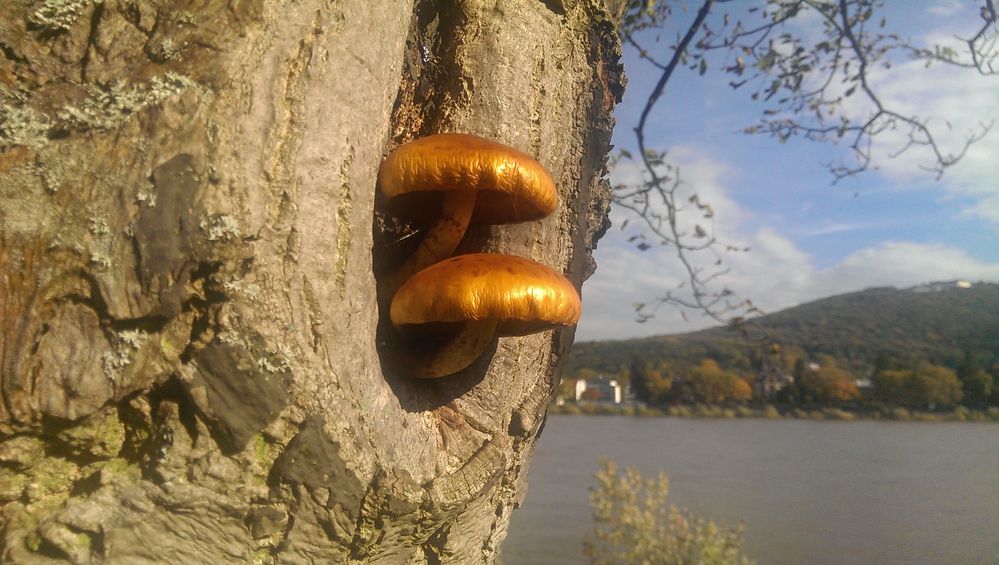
(680, 411)
(569, 408)
(837, 414)
(600, 409)
(647, 412)
(900, 414)
(705, 411)
(634, 524)
(771, 412)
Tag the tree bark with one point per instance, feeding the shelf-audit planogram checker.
(190, 236)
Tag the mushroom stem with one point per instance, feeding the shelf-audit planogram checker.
(459, 352)
(441, 239)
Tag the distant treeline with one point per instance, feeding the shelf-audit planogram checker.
(821, 383)
(912, 348)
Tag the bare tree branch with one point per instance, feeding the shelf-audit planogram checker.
(664, 185)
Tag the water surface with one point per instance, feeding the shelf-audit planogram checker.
(806, 492)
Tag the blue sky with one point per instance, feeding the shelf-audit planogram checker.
(895, 226)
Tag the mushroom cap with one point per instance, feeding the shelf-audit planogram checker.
(522, 295)
(512, 185)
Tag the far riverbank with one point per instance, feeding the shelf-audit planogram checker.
(772, 412)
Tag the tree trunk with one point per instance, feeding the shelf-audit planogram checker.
(190, 236)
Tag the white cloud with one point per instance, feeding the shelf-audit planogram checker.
(776, 274)
(955, 103)
(899, 264)
(696, 169)
(987, 208)
(947, 8)
(829, 228)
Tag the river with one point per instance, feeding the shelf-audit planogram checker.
(806, 492)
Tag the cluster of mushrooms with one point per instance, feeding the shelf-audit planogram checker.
(451, 308)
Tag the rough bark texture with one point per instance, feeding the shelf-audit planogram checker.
(190, 340)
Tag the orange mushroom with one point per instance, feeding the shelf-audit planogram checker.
(467, 300)
(495, 183)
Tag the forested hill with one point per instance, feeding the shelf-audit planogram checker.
(940, 323)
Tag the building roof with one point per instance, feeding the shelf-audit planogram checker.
(773, 373)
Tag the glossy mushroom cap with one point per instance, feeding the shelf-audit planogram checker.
(522, 295)
(512, 185)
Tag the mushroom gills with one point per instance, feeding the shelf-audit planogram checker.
(441, 239)
(457, 352)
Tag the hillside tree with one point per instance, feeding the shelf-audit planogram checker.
(827, 384)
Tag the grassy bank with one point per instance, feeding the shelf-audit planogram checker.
(771, 412)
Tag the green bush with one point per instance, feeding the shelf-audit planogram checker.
(571, 409)
(634, 524)
(648, 412)
(705, 411)
(600, 409)
(837, 414)
(680, 411)
(900, 414)
(771, 412)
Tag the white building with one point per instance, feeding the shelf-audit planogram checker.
(608, 390)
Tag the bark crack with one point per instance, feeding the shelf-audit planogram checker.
(91, 44)
(537, 102)
(343, 223)
(287, 132)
